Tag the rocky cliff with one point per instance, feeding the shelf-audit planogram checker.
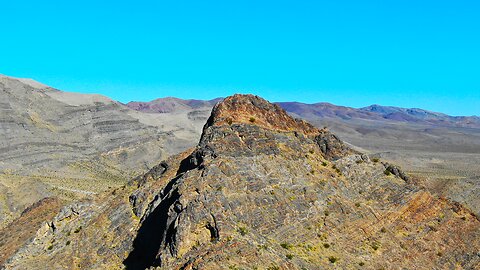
(261, 190)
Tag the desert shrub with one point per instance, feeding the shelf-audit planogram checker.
(375, 160)
(77, 230)
(326, 245)
(50, 247)
(361, 263)
(242, 230)
(68, 243)
(383, 230)
(309, 247)
(326, 213)
(357, 204)
(359, 161)
(311, 151)
(387, 172)
(332, 259)
(252, 119)
(229, 121)
(289, 256)
(264, 247)
(286, 245)
(375, 245)
(324, 164)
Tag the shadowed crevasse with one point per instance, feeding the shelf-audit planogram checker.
(156, 230)
(150, 236)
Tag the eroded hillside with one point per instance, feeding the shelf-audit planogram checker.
(55, 143)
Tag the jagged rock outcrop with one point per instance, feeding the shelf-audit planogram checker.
(261, 191)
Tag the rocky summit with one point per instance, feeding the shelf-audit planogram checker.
(261, 190)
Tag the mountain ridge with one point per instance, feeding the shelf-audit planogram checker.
(325, 109)
(253, 195)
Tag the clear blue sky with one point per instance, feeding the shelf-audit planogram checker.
(355, 53)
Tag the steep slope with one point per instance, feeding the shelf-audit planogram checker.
(260, 191)
(442, 150)
(71, 145)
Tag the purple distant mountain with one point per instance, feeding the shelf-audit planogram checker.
(323, 110)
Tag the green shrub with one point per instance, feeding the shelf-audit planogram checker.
(332, 259)
(375, 160)
(242, 230)
(387, 172)
(286, 245)
(357, 204)
(361, 263)
(324, 164)
(375, 245)
(289, 256)
(383, 230)
(50, 247)
(326, 245)
(77, 230)
(252, 119)
(68, 243)
(264, 247)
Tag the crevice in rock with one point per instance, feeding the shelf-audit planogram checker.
(150, 236)
(158, 227)
(213, 228)
(191, 162)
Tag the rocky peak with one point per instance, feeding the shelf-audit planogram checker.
(254, 110)
(250, 125)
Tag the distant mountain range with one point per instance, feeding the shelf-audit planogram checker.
(324, 110)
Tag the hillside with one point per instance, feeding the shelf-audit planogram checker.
(55, 143)
(261, 190)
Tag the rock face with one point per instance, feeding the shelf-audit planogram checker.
(440, 149)
(260, 191)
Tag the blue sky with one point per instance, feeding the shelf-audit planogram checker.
(403, 53)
